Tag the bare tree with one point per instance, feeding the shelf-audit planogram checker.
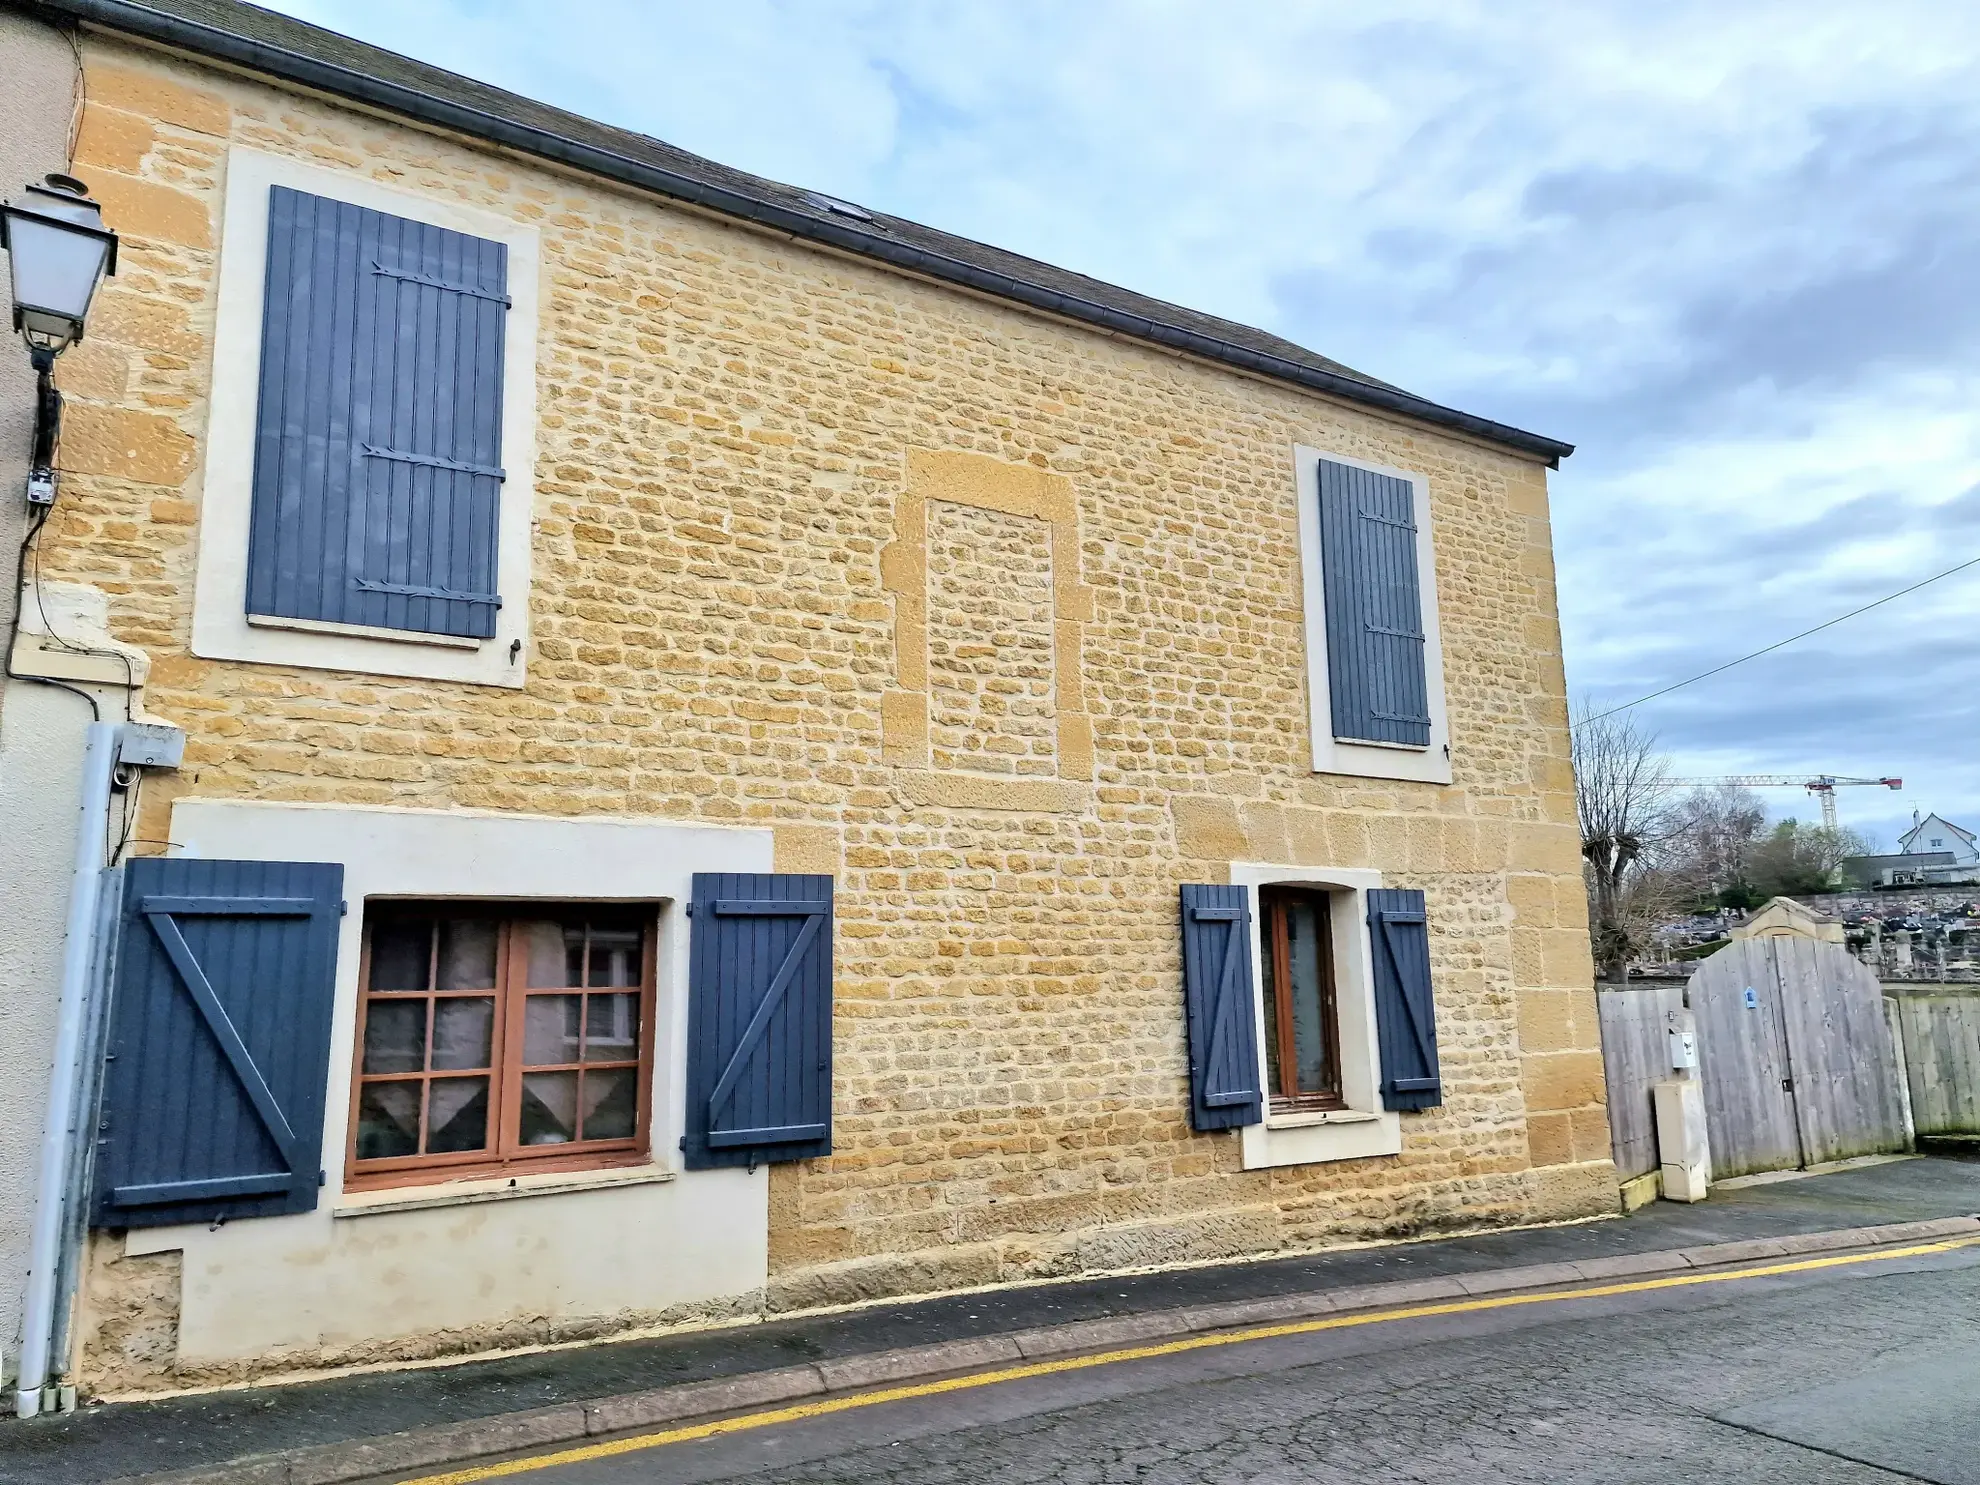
(1710, 842)
(1623, 800)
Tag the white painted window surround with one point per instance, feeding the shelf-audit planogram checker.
(1363, 1128)
(221, 628)
(443, 1256)
(1432, 764)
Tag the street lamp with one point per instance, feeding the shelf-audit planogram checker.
(60, 251)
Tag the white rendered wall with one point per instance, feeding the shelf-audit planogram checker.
(40, 729)
(374, 1266)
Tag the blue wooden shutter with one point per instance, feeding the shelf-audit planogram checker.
(1375, 667)
(377, 462)
(1405, 1010)
(759, 1073)
(1224, 1083)
(219, 1041)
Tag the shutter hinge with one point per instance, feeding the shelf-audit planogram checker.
(684, 1144)
(322, 1176)
(343, 910)
(690, 908)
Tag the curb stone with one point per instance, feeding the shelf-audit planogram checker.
(566, 1423)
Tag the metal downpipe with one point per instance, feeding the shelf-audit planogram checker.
(58, 1130)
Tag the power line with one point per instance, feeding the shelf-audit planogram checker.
(1778, 644)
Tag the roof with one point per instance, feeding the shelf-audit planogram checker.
(260, 41)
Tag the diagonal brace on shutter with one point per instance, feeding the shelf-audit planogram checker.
(160, 913)
(1389, 919)
(813, 913)
(1227, 997)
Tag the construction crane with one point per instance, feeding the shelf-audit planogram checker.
(1822, 785)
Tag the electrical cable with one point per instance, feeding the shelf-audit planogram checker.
(1778, 644)
(14, 623)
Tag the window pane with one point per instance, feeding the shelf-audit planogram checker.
(467, 954)
(388, 1120)
(611, 1028)
(1269, 980)
(395, 1036)
(401, 953)
(457, 1115)
(549, 1108)
(614, 956)
(463, 1032)
(611, 1103)
(1304, 946)
(550, 1029)
(556, 954)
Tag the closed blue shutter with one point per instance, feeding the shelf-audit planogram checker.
(759, 1073)
(1224, 1088)
(1374, 603)
(377, 478)
(1405, 1010)
(219, 1041)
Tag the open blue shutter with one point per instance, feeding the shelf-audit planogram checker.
(219, 1041)
(1375, 667)
(377, 463)
(1224, 1089)
(1405, 1010)
(759, 1074)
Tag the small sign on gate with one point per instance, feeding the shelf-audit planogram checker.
(1752, 999)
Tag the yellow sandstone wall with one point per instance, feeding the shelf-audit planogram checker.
(811, 538)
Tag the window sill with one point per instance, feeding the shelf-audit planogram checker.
(1307, 1118)
(366, 631)
(1373, 742)
(1319, 1138)
(494, 1188)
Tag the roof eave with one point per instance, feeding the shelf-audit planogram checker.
(398, 98)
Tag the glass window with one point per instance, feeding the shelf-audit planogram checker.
(1302, 1034)
(491, 1040)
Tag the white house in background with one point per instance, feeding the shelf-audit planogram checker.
(1934, 834)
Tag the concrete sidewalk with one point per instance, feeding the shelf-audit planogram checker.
(315, 1432)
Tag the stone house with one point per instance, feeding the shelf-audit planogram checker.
(745, 754)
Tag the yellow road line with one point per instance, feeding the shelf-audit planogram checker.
(824, 1406)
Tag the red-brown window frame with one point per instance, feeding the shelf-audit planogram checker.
(504, 1156)
(1287, 1098)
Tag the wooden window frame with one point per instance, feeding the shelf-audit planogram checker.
(504, 1156)
(1287, 1098)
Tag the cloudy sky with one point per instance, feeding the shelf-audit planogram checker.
(1732, 251)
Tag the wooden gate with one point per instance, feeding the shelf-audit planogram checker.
(1795, 1057)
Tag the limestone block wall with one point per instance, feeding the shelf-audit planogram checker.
(996, 617)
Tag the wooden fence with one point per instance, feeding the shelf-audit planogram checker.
(1941, 1032)
(1635, 1056)
(1797, 1057)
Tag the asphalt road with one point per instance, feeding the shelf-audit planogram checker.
(1849, 1375)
